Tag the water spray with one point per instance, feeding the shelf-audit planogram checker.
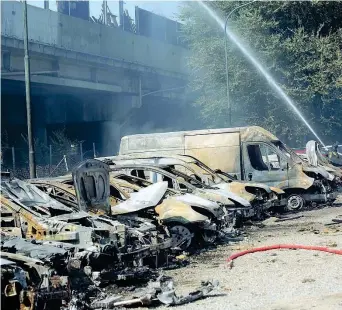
(258, 65)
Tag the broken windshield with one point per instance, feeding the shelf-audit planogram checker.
(206, 170)
(189, 179)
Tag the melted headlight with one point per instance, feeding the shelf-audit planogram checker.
(258, 195)
(273, 196)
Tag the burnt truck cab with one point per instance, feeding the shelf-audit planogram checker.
(250, 154)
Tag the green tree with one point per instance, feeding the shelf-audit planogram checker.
(299, 43)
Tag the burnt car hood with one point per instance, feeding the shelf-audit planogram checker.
(239, 190)
(222, 196)
(71, 217)
(146, 198)
(32, 249)
(318, 170)
(249, 184)
(29, 195)
(200, 202)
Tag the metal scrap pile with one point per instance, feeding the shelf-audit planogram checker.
(62, 242)
(66, 239)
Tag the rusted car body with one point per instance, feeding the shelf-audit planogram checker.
(179, 209)
(143, 230)
(315, 158)
(244, 152)
(29, 283)
(261, 196)
(123, 208)
(229, 203)
(77, 228)
(39, 217)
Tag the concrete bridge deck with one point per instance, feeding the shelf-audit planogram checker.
(69, 49)
(86, 75)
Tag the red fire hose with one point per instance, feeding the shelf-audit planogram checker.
(285, 246)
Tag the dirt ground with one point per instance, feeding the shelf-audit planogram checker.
(277, 279)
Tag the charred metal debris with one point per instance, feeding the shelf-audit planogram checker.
(64, 240)
(72, 241)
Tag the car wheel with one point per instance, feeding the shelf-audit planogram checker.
(181, 237)
(295, 202)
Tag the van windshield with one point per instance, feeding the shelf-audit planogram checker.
(289, 153)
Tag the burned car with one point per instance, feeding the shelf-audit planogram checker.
(260, 196)
(28, 283)
(229, 203)
(175, 211)
(138, 220)
(249, 153)
(315, 158)
(35, 215)
(181, 214)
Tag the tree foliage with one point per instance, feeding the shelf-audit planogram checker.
(60, 143)
(299, 43)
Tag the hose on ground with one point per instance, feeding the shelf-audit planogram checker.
(285, 246)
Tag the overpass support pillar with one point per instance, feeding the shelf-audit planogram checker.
(110, 137)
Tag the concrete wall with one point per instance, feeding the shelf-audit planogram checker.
(54, 29)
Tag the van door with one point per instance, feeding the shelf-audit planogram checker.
(217, 150)
(263, 163)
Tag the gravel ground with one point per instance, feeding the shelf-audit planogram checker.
(278, 279)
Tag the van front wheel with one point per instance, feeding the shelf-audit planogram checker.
(295, 202)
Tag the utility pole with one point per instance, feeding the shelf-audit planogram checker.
(105, 12)
(226, 59)
(140, 92)
(32, 163)
(121, 14)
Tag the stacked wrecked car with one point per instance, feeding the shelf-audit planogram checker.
(121, 218)
(52, 251)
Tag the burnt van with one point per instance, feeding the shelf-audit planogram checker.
(250, 154)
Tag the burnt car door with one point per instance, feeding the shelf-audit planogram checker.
(92, 186)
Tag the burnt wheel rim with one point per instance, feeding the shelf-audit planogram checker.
(180, 236)
(295, 202)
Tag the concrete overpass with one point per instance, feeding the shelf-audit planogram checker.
(86, 75)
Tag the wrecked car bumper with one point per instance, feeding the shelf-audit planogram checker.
(279, 202)
(207, 225)
(266, 205)
(161, 245)
(332, 196)
(320, 197)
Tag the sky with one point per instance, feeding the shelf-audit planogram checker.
(168, 9)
